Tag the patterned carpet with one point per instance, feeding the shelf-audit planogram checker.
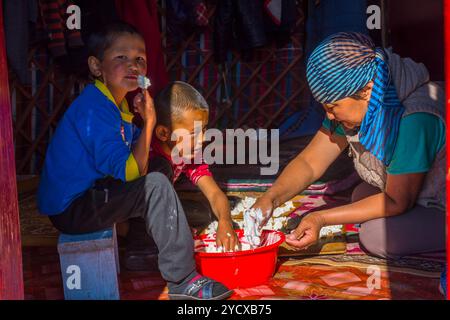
(338, 269)
(321, 277)
(36, 229)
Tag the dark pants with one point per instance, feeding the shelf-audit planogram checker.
(198, 213)
(150, 198)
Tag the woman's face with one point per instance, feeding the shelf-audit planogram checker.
(349, 112)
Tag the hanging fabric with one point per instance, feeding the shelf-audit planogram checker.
(95, 15)
(54, 17)
(143, 15)
(19, 20)
(185, 17)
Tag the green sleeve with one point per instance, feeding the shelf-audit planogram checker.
(421, 137)
(327, 124)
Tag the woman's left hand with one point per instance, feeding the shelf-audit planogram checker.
(307, 232)
(226, 237)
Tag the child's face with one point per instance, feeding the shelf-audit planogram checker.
(194, 122)
(122, 62)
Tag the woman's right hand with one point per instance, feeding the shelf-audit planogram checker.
(265, 204)
(143, 104)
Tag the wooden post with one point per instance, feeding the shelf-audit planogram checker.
(11, 274)
(447, 81)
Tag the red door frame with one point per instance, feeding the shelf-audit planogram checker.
(11, 274)
(447, 83)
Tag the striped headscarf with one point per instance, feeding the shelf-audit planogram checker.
(342, 65)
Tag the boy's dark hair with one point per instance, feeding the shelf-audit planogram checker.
(175, 99)
(101, 40)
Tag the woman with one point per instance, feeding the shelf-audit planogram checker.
(392, 118)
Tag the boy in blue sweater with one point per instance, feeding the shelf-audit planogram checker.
(95, 171)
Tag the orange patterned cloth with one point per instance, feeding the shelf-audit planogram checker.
(338, 277)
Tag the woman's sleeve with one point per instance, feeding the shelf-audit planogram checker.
(421, 137)
(327, 125)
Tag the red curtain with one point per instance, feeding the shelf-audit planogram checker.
(143, 15)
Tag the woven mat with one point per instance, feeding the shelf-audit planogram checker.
(37, 230)
(331, 277)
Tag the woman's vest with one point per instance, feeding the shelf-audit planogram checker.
(429, 98)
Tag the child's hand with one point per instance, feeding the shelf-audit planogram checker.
(226, 237)
(143, 104)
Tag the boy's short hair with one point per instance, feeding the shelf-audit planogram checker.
(175, 99)
(101, 40)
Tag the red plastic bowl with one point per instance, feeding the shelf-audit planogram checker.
(242, 269)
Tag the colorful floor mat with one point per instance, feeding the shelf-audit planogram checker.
(316, 278)
(37, 230)
(327, 276)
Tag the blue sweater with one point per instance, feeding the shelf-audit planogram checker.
(93, 140)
